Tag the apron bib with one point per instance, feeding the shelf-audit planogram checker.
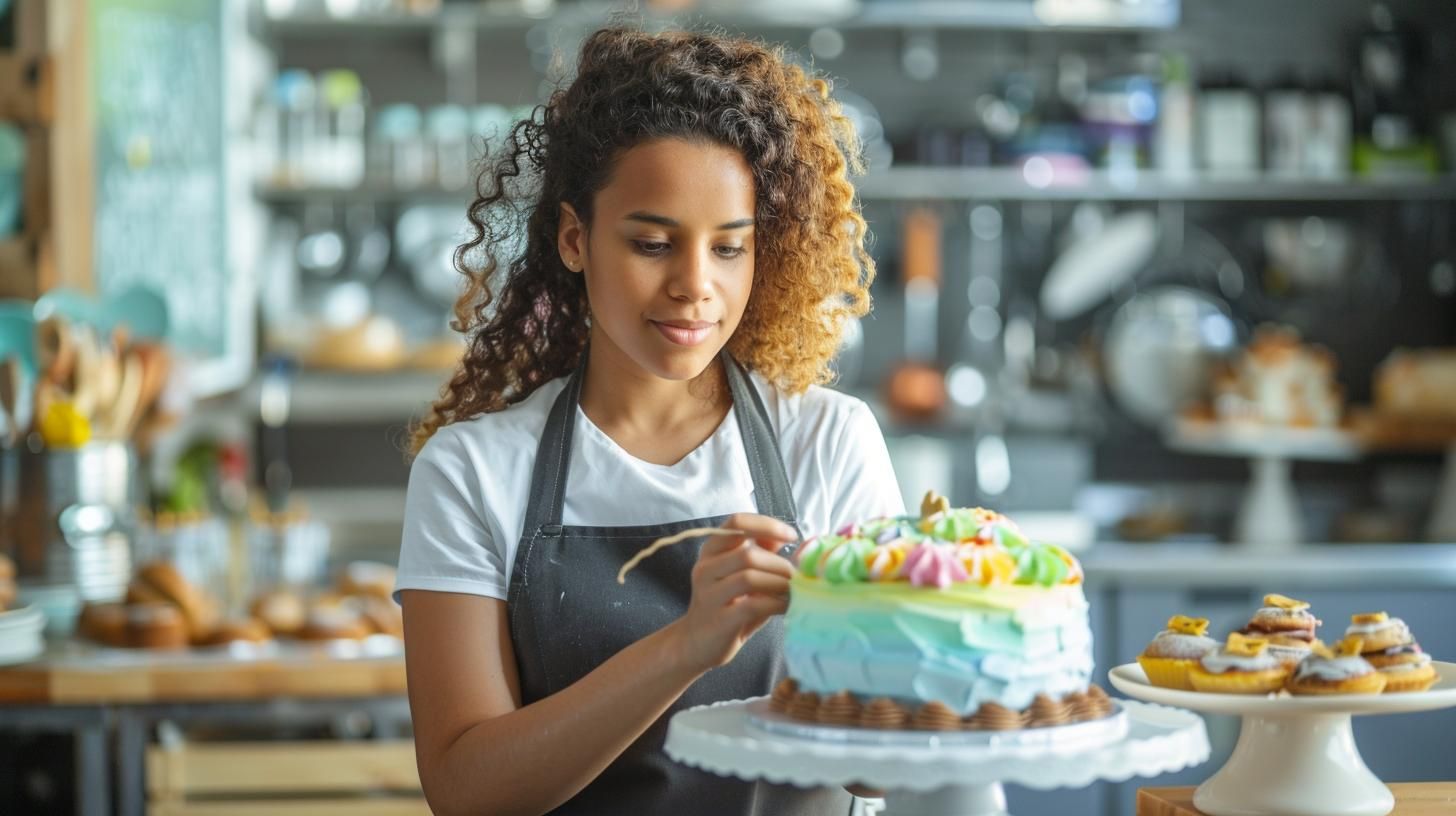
(568, 615)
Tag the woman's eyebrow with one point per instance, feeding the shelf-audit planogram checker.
(664, 221)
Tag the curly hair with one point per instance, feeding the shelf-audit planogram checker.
(812, 271)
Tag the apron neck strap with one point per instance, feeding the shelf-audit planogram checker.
(765, 464)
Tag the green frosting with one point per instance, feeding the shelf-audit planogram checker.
(1013, 541)
(813, 553)
(845, 564)
(955, 526)
(1040, 564)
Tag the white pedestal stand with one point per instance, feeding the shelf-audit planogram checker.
(1269, 518)
(1296, 756)
(954, 775)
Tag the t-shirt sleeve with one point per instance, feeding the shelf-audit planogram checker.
(448, 545)
(866, 486)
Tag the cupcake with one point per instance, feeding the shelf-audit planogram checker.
(1282, 616)
(1242, 666)
(1175, 650)
(1324, 672)
(1406, 668)
(1379, 631)
(1289, 650)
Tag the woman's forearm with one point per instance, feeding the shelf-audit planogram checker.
(536, 757)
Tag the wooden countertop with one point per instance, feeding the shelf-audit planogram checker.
(1411, 799)
(81, 674)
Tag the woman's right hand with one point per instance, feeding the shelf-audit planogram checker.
(739, 582)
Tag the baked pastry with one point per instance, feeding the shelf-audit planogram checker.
(1379, 631)
(333, 623)
(1279, 381)
(367, 578)
(1324, 672)
(199, 611)
(1289, 650)
(954, 606)
(383, 617)
(240, 630)
(282, 611)
(104, 623)
(1406, 667)
(1176, 650)
(1417, 384)
(156, 626)
(1242, 666)
(1282, 616)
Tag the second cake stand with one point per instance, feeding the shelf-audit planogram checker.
(960, 774)
(1296, 756)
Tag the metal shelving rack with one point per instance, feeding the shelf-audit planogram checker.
(1012, 184)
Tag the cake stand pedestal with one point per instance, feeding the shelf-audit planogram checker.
(1296, 756)
(1269, 516)
(960, 774)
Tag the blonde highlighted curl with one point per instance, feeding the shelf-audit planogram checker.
(526, 316)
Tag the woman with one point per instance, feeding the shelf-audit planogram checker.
(647, 363)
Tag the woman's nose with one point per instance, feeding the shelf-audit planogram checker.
(691, 276)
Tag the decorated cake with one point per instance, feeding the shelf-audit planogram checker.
(950, 620)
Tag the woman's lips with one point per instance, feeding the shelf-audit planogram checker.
(684, 332)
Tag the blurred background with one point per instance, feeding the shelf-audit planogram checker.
(1171, 282)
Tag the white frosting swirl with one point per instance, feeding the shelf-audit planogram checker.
(1337, 668)
(1380, 626)
(1221, 661)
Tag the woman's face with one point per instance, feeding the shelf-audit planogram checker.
(669, 256)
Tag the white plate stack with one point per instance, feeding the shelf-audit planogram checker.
(20, 635)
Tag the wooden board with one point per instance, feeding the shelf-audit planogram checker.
(94, 675)
(1411, 799)
(354, 806)
(221, 769)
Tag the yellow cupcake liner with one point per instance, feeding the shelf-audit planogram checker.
(1371, 683)
(1167, 672)
(1410, 681)
(1238, 682)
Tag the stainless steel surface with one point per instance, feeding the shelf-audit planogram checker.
(67, 516)
(1335, 566)
(909, 183)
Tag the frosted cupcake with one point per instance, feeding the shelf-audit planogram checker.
(1175, 650)
(1379, 631)
(1394, 652)
(1285, 616)
(1242, 666)
(1324, 672)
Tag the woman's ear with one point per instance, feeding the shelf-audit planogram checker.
(571, 239)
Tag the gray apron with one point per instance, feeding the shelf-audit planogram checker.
(568, 615)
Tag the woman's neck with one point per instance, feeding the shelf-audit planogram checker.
(654, 419)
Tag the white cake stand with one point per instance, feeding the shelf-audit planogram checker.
(953, 775)
(1269, 515)
(1296, 756)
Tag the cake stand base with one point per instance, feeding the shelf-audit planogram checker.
(1296, 755)
(961, 800)
(1304, 765)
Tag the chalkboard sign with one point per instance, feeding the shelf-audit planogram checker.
(157, 80)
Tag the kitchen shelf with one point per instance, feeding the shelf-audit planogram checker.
(1021, 15)
(1011, 184)
(331, 397)
(1006, 184)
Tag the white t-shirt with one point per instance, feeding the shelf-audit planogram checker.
(469, 486)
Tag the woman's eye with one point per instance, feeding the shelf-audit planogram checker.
(730, 251)
(651, 247)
